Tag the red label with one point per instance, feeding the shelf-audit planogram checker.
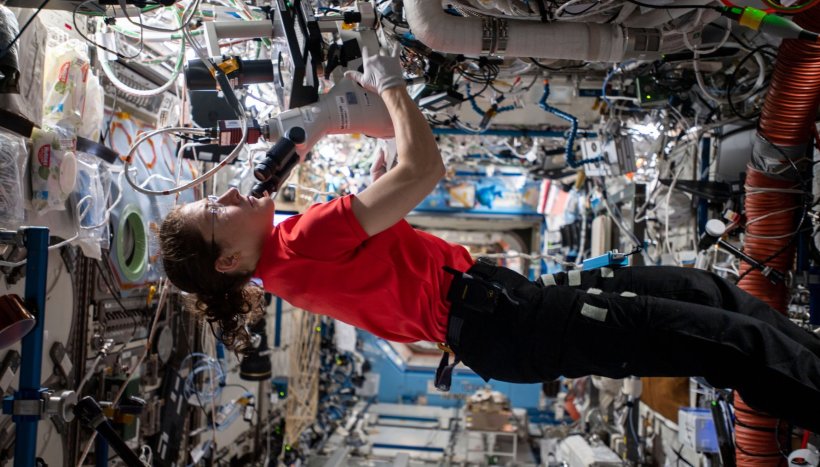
(62, 77)
(44, 155)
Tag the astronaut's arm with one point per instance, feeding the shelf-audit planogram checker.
(399, 191)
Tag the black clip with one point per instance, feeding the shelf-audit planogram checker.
(444, 372)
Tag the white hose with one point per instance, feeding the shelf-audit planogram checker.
(761, 78)
(717, 46)
(109, 72)
(570, 41)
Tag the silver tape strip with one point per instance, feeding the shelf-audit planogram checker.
(574, 278)
(548, 280)
(593, 312)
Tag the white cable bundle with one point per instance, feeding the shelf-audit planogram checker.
(112, 76)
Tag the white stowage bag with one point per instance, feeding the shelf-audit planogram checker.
(65, 82)
(12, 155)
(52, 168)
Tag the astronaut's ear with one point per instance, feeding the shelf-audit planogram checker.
(227, 264)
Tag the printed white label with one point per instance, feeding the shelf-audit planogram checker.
(344, 114)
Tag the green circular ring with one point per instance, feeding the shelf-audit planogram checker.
(131, 217)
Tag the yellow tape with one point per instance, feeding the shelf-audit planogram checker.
(752, 17)
(229, 66)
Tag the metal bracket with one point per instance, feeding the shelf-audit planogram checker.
(48, 404)
(487, 36)
(27, 407)
(502, 33)
(494, 35)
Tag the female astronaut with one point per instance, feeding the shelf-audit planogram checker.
(357, 260)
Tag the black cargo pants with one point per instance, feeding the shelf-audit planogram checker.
(643, 321)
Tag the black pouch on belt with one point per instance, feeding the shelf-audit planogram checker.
(473, 293)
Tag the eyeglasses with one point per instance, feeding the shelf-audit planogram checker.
(214, 208)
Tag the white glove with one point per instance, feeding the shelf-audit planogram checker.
(381, 72)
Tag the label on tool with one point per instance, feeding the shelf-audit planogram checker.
(344, 114)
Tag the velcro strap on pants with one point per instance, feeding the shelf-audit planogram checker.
(574, 278)
(548, 280)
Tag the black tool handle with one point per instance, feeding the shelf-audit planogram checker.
(90, 414)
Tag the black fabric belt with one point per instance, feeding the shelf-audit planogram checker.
(470, 292)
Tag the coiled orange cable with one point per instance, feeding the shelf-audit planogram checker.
(772, 217)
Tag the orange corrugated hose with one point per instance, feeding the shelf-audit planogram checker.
(786, 120)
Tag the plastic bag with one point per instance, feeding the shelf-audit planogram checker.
(53, 168)
(64, 83)
(93, 112)
(89, 195)
(90, 199)
(12, 156)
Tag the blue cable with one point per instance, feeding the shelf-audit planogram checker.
(609, 75)
(480, 112)
(603, 88)
(573, 132)
(206, 364)
(220, 357)
(473, 103)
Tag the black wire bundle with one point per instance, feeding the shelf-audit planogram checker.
(673, 7)
(732, 83)
(488, 73)
(578, 13)
(562, 68)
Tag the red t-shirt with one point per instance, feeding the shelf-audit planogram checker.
(391, 284)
